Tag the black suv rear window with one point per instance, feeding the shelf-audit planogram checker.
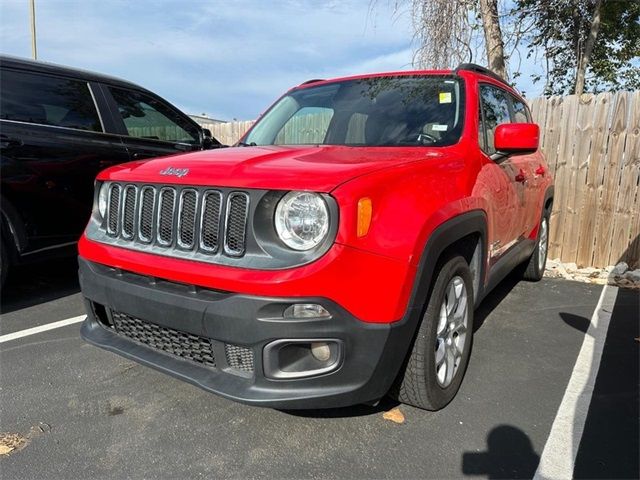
(47, 100)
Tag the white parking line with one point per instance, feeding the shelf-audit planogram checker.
(41, 328)
(559, 454)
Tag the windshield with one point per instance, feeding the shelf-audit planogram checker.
(381, 111)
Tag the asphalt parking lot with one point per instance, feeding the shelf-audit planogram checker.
(83, 412)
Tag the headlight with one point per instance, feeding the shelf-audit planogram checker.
(102, 199)
(302, 220)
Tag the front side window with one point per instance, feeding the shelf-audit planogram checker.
(147, 117)
(47, 100)
(378, 111)
(520, 111)
(495, 110)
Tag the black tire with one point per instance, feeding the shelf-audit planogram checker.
(418, 383)
(4, 263)
(534, 269)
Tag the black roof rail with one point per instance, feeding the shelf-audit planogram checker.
(472, 67)
(313, 80)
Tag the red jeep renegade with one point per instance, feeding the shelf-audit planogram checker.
(336, 254)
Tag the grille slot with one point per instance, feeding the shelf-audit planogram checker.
(236, 224)
(240, 358)
(113, 210)
(210, 221)
(145, 216)
(175, 342)
(166, 208)
(128, 211)
(187, 218)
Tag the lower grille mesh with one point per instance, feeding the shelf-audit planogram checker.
(185, 345)
(240, 358)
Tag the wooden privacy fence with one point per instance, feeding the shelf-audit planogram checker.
(228, 133)
(592, 144)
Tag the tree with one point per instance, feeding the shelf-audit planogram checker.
(586, 45)
(493, 37)
(447, 32)
(589, 45)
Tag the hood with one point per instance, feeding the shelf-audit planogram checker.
(318, 168)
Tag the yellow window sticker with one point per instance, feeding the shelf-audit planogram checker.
(444, 97)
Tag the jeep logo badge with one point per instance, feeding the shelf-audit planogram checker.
(178, 172)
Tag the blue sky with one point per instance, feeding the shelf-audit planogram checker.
(228, 59)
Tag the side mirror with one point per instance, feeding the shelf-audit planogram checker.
(517, 138)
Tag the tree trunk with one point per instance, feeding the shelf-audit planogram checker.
(493, 37)
(583, 60)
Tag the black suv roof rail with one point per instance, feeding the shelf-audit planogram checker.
(472, 67)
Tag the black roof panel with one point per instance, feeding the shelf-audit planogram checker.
(51, 68)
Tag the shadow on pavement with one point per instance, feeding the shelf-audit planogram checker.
(37, 283)
(576, 321)
(345, 412)
(509, 454)
(495, 297)
(610, 444)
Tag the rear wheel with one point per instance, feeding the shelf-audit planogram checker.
(534, 270)
(440, 353)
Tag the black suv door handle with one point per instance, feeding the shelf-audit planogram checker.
(6, 142)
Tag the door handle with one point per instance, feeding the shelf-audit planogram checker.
(6, 142)
(520, 177)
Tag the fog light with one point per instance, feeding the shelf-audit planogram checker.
(321, 351)
(306, 310)
(299, 357)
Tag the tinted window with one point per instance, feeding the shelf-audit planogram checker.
(147, 117)
(47, 100)
(378, 111)
(495, 110)
(520, 111)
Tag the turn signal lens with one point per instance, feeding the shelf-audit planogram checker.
(364, 216)
(102, 199)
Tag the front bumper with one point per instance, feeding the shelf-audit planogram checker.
(372, 353)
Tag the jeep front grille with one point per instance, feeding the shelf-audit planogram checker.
(184, 218)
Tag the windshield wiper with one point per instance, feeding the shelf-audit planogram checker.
(243, 144)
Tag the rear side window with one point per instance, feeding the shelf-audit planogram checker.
(147, 117)
(495, 110)
(47, 100)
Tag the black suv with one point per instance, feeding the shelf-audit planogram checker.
(58, 128)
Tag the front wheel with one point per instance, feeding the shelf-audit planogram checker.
(440, 353)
